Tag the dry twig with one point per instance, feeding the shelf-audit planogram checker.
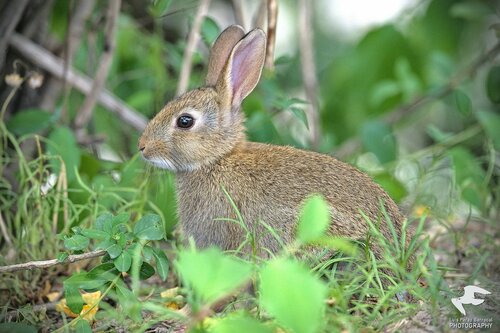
(239, 13)
(55, 66)
(272, 19)
(85, 113)
(194, 36)
(52, 262)
(309, 70)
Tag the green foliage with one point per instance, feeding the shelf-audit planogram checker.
(210, 274)
(314, 219)
(30, 121)
(298, 304)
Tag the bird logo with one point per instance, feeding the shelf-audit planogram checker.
(468, 297)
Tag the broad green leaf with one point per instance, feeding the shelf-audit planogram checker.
(209, 30)
(149, 227)
(147, 251)
(463, 102)
(389, 183)
(62, 256)
(104, 222)
(491, 124)
(338, 243)
(120, 218)
(29, 121)
(72, 294)
(102, 274)
(241, 324)
(293, 295)
(300, 114)
(384, 90)
(313, 220)
(160, 7)
(76, 242)
(469, 176)
(146, 271)
(83, 326)
(162, 264)
(210, 273)
(113, 249)
(62, 143)
(493, 84)
(94, 234)
(377, 137)
(123, 261)
(128, 301)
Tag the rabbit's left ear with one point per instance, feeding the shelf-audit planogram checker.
(243, 69)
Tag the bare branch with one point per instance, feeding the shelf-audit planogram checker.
(239, 13)
(49, 263)
(84, 115)
(9, 17)
(309, 70)
(354, 144)
(55, 66)
(272, 19)
(194, 36)
(259, 20)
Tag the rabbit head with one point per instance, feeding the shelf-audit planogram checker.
(204, 124)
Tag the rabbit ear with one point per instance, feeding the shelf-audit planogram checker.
(243, 68)
(221, 50)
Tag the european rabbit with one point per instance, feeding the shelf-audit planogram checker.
(201, 137)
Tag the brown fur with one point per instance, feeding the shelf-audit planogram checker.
(266, 182)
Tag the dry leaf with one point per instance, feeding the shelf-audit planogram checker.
(89, 309)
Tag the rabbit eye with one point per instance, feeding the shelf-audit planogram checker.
(185, 121)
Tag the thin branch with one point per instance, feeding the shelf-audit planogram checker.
(239, 13)
(84, 114)
(10, 16)
(309, 70)
(55, 66)
(354, 144)
(52, 262)
(259, 20)
(272, 19)
(194, 36)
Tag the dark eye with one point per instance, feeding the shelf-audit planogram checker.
(185, 121)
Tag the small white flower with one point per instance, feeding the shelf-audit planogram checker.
(35, 80)
(49, 184)
(13, 80)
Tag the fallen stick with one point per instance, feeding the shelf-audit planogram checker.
(52, 262)
(55, 66)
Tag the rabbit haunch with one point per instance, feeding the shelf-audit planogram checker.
(267, 183)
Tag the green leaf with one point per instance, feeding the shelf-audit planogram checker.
(491, 124)
(146, 271)
(493, 84)
(104, 222)
(149, 227)
(83, 326)
(105, 272)
(17, 328)
(147, 251)
(300, 114)
(210, 273)
(95, 234)
(314, 219)
(76, 242)
(114, 250)
(73, 297)
(62, 256)
(293, 295)
(463, 102)
(469, 176)
(128, 301)
(121, 218)
(389, 183)
(377, 137)
(241, 324)
(209, 30)
(29, 121)
(162, 264)
(62, 143)
(123, 261)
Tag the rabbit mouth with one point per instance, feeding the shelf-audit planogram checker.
(162, 163)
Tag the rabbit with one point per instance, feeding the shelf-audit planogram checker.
(200, 136)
